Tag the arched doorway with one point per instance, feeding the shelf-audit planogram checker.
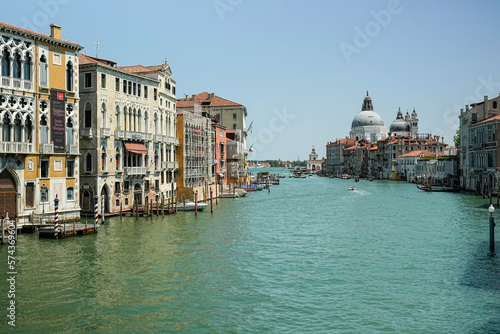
(8, 194)
(105, 194)
(138, 194)
(87, 201)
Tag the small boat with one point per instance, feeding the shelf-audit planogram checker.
(235, 194)
(351, 189)
(190, 206)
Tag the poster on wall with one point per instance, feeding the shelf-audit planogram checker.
(58, 123)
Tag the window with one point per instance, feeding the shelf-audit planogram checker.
(494, 104)
(103, 80)
(43, 67)
(134, 89)
(125, 86)
(173, 90)
(70, 193)
(16, 66)
(145, 92)
(6, 63)
(103, 159)
(117, 187)
(44, 168)
(157, 185)
(44, 194)
(117, 202)
(234, 126)
(27, 67)
(139, 90)
(70, 168)
(155, 92)
(234, 116)
(146, 185)
(30, 195)
(130, 87)
(88, 80)
(117, 84)
(88, 163)
(88, 116)
(69, 76)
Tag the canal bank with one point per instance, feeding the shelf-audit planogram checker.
(306, 257)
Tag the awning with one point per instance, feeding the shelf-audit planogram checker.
(136, 148)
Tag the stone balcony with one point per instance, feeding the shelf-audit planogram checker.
(133, 135)
(17, 83)
(86, 133)
(105, 132)
(46, 148)
(119, 134)
(148, 136)
(15, 147)
(164, 165)
(72, 149)
(135, 170)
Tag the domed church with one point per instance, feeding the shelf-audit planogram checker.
(367, 124)
(404, 126)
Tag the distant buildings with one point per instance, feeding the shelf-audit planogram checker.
(373, 151)
(39, 133)
(314, 164)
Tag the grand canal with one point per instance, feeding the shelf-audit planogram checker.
(309, 256)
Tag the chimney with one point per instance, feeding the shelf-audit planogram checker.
(193, 97)
(461, 111)
(466, 107)
(55, 31)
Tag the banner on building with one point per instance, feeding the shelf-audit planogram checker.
(58, 122)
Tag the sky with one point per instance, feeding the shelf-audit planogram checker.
(301, 68)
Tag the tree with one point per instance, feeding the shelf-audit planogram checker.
(456, 139)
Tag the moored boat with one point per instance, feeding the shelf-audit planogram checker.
(188, 205)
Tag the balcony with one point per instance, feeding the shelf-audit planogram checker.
(176, 141)
(105, 132)
(149, 136)
(15, 147)
(164, 165)
(135, 170)
(158, 138)
(132, 135)
(176, 165)
(119, 134)
(17, 83)
(72, 149)
(46, 148)
(171, 165)
(86, 133)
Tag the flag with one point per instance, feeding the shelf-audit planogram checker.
(250, 127)
(197, 131)
(251, 149)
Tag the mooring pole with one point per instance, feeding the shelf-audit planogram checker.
(102, 208)
(56, 218)
(491, 209)
(196, 203)
(211, 200)
(96, 213)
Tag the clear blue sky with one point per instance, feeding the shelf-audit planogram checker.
(302, 68)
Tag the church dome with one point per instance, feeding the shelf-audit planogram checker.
(367, 117)
(399, 124)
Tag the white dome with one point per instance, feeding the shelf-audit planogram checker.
(367, 118)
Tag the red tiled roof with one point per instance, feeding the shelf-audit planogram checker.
(343, 141)
(37, 33)
(206, 99)
(426, 154)
(493, 118)
(140, 69)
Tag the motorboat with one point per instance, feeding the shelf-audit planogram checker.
(188, 205)
(351, 189)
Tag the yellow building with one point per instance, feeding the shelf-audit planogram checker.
(39, 124)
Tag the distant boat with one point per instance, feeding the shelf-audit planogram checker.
(430, 188)
(235, 194)
(351, 189)
(190, 206)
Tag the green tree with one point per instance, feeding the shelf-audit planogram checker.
(456, 139)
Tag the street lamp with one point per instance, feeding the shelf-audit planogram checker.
(491, 209)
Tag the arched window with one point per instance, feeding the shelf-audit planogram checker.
(125, 119)
(43, 71)
(88, 116)
(69, 76)
(17, 129)
(118, 118)
(494, 104)
(103, 115)
(6, 128)
(27, 67)
(28, 131)
(88, 162)
(69, 132)
(16, 66)
(6, 63)
(117, 160)
(139, 121)
(103, 159)
(44, 130)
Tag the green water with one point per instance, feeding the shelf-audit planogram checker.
(308, 257)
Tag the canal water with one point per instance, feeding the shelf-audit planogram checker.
(308, 257)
